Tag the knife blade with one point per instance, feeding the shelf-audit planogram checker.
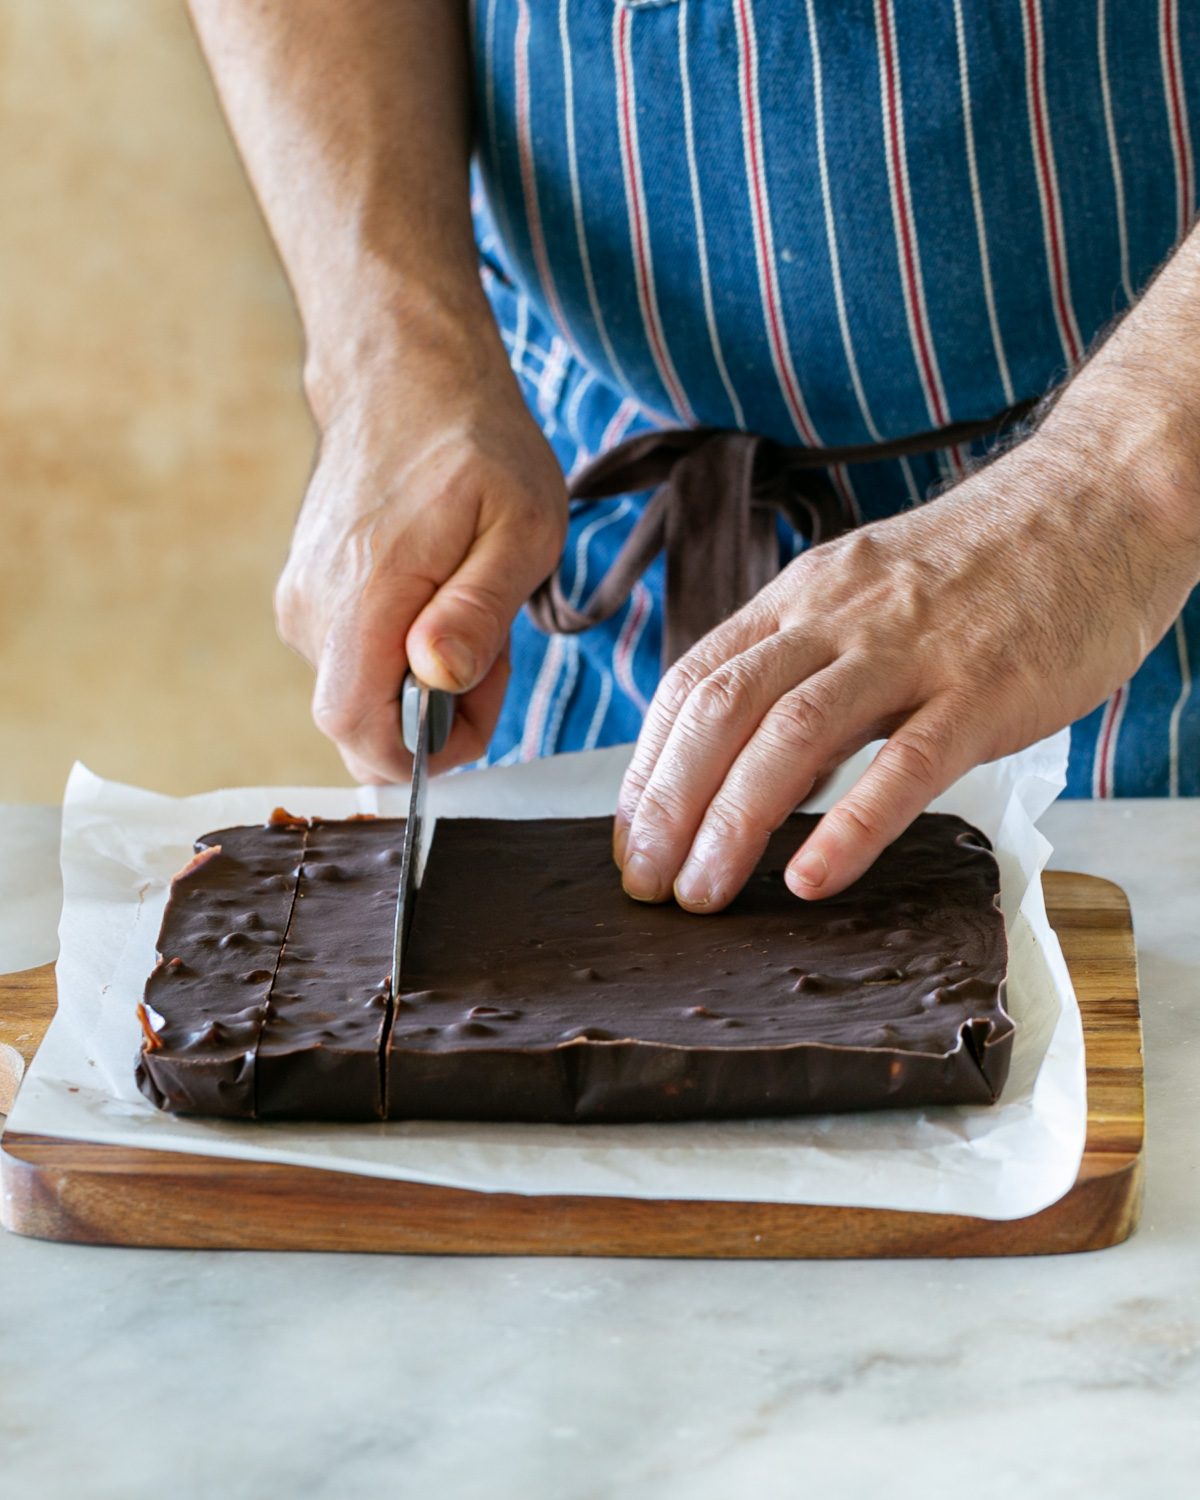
(426, 716)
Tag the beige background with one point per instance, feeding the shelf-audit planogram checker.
(153, 441)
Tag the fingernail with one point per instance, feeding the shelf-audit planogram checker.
(620, 839)
(641, 879)
(807, 872)
(693, 888)
(457, 660)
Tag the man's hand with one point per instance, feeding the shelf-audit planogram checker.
(436, 506)
(962, 630)
(430, 519)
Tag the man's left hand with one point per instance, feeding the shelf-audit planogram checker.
(961, 630)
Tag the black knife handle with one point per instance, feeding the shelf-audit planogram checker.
(440, 720)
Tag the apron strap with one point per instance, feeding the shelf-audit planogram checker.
(716, 496)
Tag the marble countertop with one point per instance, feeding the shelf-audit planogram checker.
(195, 1374)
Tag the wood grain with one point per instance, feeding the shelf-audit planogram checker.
(94, 1194)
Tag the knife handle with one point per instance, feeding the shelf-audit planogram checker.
(440, 715)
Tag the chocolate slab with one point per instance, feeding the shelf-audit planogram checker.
(206, 1001)
(319, 1056)
(535, 990)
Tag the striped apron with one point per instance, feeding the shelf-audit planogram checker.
(832, 223)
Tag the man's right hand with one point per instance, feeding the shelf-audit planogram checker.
(432, 515)
(437, 506)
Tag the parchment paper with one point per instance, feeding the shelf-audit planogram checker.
(121, 845)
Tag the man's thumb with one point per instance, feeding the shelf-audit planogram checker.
(454, 641)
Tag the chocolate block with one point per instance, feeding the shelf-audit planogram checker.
(206, 1001)
(319, 1056)
(534, 989)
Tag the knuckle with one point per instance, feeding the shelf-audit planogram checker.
(861, 549)
(634, 783)
(633, 788)
(911, 757)
(338, 720)
(731, 821)
(529, 514)
(1005, 677)
(489, 614)
(679, 682)
(662, 805)
(721, 695)
(797, 724)
(289, 611)
(544, 529)
(860, 821)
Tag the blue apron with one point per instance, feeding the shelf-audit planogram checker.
(831, 222)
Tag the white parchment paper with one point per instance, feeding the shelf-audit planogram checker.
(121, 846)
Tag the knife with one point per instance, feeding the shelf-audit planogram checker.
(425, 719)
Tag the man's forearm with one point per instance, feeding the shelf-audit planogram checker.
(1135, 406)
(353, 118)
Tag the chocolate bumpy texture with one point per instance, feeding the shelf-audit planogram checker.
(534, 989)
(271, 996)
(320, 1049)
(206, 1001)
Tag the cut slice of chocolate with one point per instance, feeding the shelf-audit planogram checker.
(534, 989)
(319, 1056)
(206, 1001)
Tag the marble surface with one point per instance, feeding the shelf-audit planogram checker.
(131, 1373)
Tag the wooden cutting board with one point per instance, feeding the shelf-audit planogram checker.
(118, 1195)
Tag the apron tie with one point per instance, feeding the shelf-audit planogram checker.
(716, 496)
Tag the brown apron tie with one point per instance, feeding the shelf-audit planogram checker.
(716, 496)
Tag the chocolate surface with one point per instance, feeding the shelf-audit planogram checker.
(319, 1054)
(206, 1001)
(534, 989)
